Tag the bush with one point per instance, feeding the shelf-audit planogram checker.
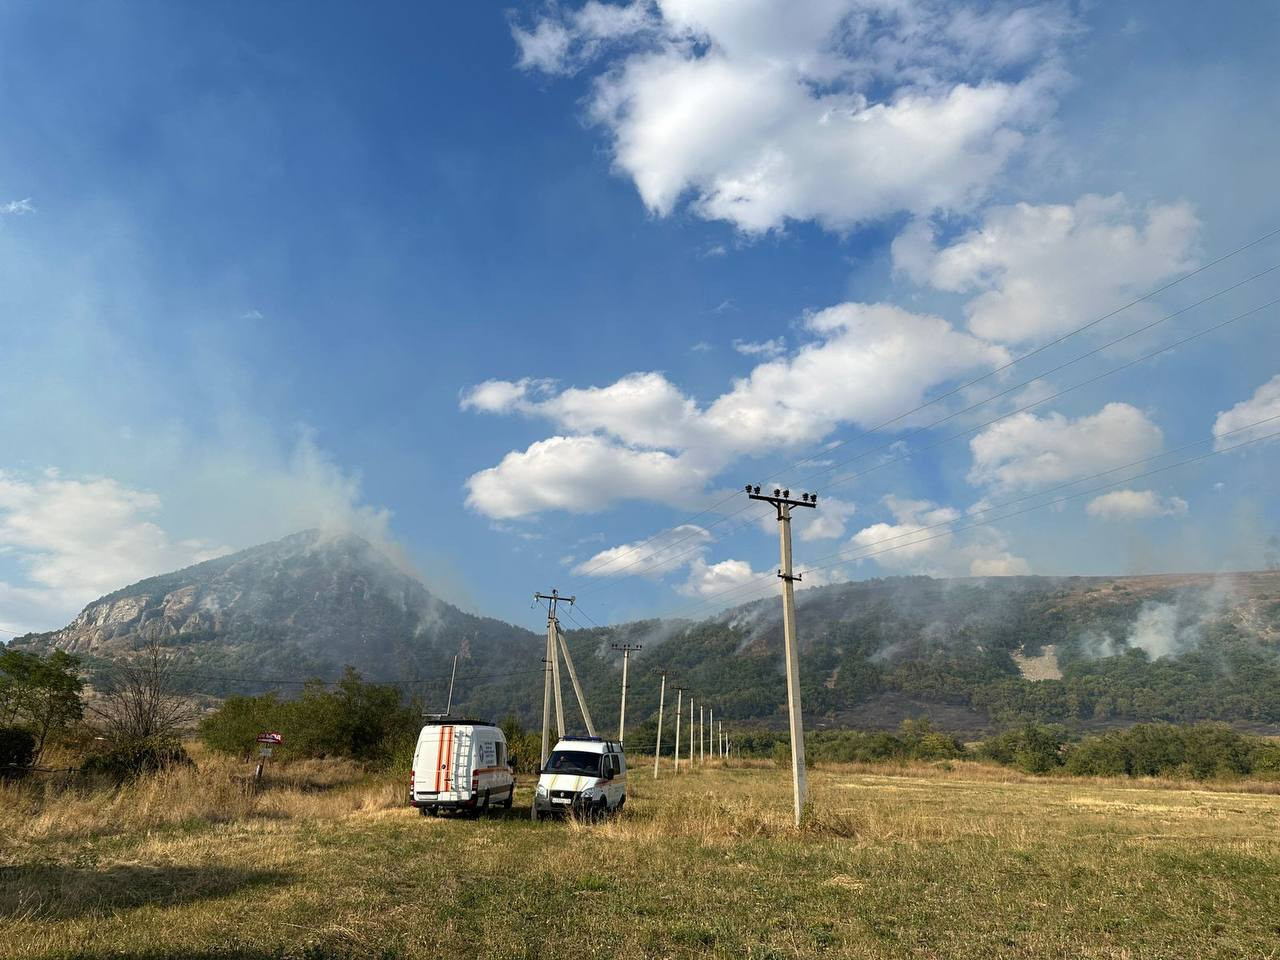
(524, 746)
(1034, 748)
(361, 721)
(129, 759)
(17, 751)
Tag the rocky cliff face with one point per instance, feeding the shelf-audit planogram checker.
(309, 602)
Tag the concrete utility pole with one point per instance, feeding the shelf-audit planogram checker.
(679, 701)
(552, 599)
(626, 649)
(711, 731)
(449, 707)
(657, 746)
(702, 734)
(783, 503)
(577, 687)
(691, 724)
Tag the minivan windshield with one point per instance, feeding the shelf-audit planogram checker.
(574, 762)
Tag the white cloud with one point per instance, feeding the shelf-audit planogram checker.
(77, 539)
(503, 396)
(839, 111)
(17, 208)
(1026, 452)
(668, 551)
(920, 542)
(867, 363)
(764, 348)
(706, 580)
(1027, 265)
(1263, 405)
(581, 475)
(826, 522)
(1135, 505)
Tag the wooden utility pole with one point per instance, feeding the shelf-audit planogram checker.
(679, 701)
(657, 746)
(782, 502)
(552, 673)
(626, 649)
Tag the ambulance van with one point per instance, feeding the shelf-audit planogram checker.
(583, 775)
(460, 766)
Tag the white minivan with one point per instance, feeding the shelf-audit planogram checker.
(583, 775)
(460, 765)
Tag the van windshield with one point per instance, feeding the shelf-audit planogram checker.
(574, 762)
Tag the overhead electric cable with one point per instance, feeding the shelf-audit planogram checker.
(1060, 339)
(844, 556)
(666, 559)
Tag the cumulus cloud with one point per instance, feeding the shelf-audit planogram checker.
(641, 436)
(580, 475)
(710, 579)
(838, 111)
(919, 542)
(78, 538)
(1027, 452)
(1135, 505)
(1025, 263)
(656, 557)
(1229, 427)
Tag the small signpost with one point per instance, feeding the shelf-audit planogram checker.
(268, 740)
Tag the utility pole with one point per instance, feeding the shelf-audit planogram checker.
(782, 502)
(702, 734)
(449, 708)
(577, 687)
(711, 731)
(657, 746)
(552, 673)
(626, 649)
(691, 733)
(679, 700)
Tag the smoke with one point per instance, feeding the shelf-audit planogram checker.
(1167, 628)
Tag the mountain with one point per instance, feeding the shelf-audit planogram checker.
(971, 654)
(304, 606)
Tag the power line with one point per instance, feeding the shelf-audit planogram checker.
(1061, 339)
(993, 420)
(844, 556)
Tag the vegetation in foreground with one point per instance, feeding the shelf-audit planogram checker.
(954, 859)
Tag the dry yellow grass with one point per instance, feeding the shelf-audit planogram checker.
(922, 861)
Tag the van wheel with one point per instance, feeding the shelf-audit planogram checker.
(429, 811)
(485, 806)
(511, 798)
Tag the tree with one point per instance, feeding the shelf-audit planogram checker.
(138, 699)
(41, 694)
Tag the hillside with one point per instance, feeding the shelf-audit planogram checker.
(969, 653)
(304, 606)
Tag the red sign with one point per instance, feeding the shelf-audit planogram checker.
(270, 738)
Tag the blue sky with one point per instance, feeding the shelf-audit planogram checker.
(510, 288)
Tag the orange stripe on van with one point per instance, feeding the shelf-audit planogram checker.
(448, 761)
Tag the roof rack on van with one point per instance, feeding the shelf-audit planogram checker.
(438, 718)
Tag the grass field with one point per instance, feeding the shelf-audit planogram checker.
(970, 861)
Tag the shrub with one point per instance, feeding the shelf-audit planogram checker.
(17, 751)
(128, 759)
(1034, 748)
(361, 721)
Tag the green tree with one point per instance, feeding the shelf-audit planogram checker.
(39, 693)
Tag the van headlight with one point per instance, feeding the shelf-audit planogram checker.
(542, 789)
(589, 792)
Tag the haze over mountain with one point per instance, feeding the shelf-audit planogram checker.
(969, 653)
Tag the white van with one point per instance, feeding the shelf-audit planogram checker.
(584, 775)
(460, 765)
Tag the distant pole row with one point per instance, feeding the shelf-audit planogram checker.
(706, 734)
